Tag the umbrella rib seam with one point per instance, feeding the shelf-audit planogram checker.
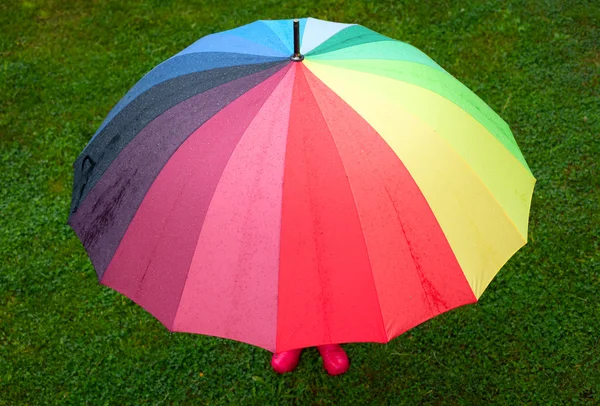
(231, 35)
(281, 216)
(276, 36)
(106, 122)
(384, 331)
(513, 140)
(176, 149)
(172, 328)
(99, 176)
(467, 164)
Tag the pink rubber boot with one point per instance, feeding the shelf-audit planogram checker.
(285, 361)
(335, 360)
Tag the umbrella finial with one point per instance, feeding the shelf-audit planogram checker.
(297, 56)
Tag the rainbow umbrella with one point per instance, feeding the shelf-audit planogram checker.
(344, 190)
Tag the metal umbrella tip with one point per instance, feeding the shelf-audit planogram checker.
(297, 56)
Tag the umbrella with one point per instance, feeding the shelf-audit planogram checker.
(290, 184)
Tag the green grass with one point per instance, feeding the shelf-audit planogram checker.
(532, 339)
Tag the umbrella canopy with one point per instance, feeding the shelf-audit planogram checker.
(345, 194)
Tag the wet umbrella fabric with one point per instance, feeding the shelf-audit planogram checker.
(345, 198)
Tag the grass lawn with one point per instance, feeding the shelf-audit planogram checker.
(534, 338)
